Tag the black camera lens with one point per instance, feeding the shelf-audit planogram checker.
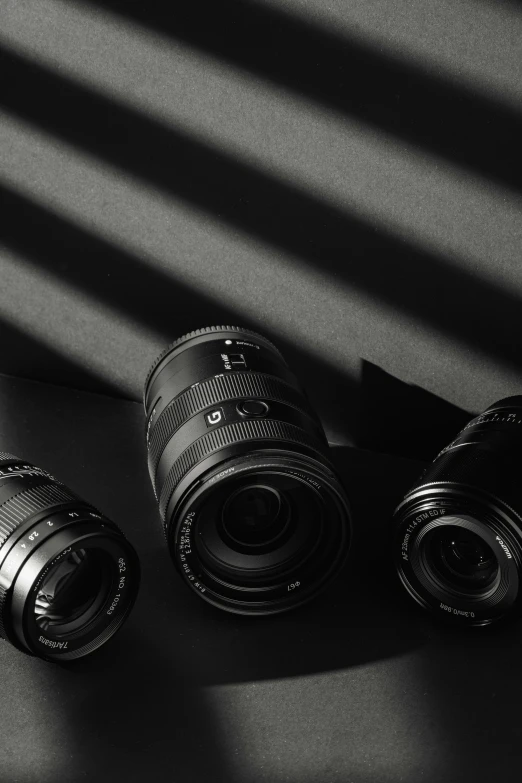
(68, 576)
(255, 516)
(458, 532)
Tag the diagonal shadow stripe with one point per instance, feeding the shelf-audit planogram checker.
(390, 270)
(26, 357)
(337, 71)
(130, 286)
(359, 408)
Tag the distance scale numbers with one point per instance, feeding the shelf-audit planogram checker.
(20, 471)
(36, 534)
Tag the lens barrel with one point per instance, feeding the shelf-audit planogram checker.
(458, 532)
(68, 576)
(255, 518)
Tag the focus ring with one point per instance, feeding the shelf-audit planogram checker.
(211, 392)
(19, 508)
(264, 429)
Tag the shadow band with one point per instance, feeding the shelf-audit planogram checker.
(391, 271)
(25, 356)
(128, 285)
(337, 71)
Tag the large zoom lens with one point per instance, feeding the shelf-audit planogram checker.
(254, 515)
(68, 576)
(458, 532)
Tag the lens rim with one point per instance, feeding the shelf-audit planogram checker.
(270, 598)
(77, 534)
(430, 507)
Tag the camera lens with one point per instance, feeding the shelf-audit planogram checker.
(255, 517)
(68, 576)
(458, 532)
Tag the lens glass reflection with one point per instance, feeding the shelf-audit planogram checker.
(255, 515)
(72, 592)
(462, 559)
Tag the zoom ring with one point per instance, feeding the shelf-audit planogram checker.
(265, 429)
(212, 391)
(17, 510)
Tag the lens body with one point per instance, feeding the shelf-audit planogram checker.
(68, 576)
(255, 517)
(458, 532)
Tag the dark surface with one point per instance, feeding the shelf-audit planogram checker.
(357, 686)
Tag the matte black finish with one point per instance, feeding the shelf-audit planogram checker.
(358, 685)
(226, 418)
(68, 576)
(458, 532)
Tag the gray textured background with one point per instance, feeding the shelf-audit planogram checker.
(359, 686)
(344, 177)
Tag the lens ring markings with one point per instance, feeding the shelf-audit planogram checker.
(207, 330)
(39, 515)
(209, 393)
(240, 431)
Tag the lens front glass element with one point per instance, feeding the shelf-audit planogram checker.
(258, 528)
(73, 592)
(461, 560)
(255, 515)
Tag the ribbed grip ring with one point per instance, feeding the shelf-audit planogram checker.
(493, 471)
(264, 429)
(17, 510)
(212, 391)
(199, 333)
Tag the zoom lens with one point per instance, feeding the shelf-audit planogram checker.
(68, 576)
(458, 532)
(255, 518)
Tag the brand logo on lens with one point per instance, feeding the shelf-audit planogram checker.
(504, 547)
(214, 417)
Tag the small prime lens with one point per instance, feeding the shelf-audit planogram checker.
(255, 517)
(458, 531)
(68, 576)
